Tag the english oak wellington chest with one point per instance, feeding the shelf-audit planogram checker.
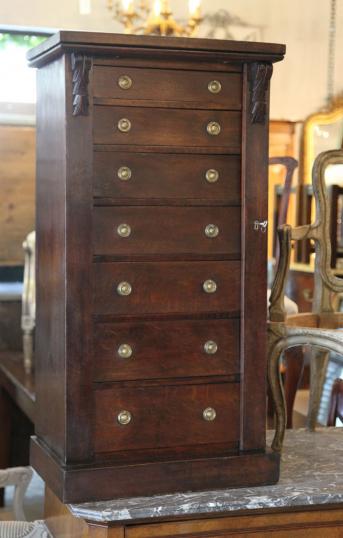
(151, 274)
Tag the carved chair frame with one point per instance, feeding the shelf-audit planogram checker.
(317, 328)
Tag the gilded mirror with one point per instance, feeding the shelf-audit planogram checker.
(323, 131)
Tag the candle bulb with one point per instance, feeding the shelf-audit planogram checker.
(157, 8)
(127, 5)
(194, 7)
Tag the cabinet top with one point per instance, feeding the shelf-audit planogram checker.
(105, 43)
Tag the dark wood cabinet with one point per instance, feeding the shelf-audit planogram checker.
(151, 278)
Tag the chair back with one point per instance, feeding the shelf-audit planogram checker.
(28, 314)
(325, 281)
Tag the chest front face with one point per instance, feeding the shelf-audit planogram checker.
(157, 218)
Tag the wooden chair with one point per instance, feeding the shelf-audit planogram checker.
(20, 478)
(316, 328)
(28, 316)
(293, 357)
(290, 165)
(336, 403)
(23, 529)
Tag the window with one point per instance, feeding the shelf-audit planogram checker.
(18, 81)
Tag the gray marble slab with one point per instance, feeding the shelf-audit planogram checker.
(311, 473)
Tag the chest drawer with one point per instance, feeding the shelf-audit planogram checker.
(166, 416)
(158, 349)
(166, 287)
(143, 176)
(167, 127)
(211, 89)
(144, 231)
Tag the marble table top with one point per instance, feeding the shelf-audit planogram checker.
(311, 474)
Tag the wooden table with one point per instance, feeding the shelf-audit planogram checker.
(308, 501)
(17, 411)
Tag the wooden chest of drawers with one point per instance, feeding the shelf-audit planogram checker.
(151, 276)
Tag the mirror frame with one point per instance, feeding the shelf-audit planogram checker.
(325, 117)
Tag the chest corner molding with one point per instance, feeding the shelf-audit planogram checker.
(80, 65)
(259, 77)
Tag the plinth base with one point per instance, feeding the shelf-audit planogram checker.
(83, 483)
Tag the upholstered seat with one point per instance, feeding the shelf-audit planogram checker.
(23, 529)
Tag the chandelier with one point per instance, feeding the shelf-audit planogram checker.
(141, 19)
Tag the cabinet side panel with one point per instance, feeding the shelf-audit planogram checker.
(254, 255)
(50, 269)
(79, 122)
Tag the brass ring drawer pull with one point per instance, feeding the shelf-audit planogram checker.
(124, 173)
(213, 128)
(209, 286)
(124, 125)
(214, 86)
(211, 230)
(124, 417)
(124, 288)
(210, 347)
(212, 175)
(209, 414)
(125, 82)
(124, 230)
(125, 351)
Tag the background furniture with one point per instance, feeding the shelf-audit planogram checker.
(17, 179)
(28, 314)
(336, 228)
(322, 131)
(282, 143)
(293, 367)
(17, 411)
(150, 245)
(16, 386)
(281, 204)
(21, 529)
(307, 501)
(19, 477)
(336, 403)
(318, 328)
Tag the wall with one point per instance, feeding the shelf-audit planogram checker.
(17, 181)
(299, 83)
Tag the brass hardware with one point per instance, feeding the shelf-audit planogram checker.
(124, 230)
(213, 128)
(124, 125)
(214, 86)
(211, 230)
(209, 286)
(209, 414)
(124, 173)
(212, 175)
(210, 347)
(124, 417)
(125, 351)
(124, 288)
(260, 225)
(125, 82)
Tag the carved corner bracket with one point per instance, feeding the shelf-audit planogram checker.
(80, 65)
(259, 77)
